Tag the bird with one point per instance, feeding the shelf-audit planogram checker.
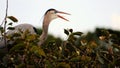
(49, 15)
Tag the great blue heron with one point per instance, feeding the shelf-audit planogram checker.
(50, 15)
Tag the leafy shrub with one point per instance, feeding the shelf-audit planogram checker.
(94, 50)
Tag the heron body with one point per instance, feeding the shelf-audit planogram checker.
(26, 26)
(50, 15)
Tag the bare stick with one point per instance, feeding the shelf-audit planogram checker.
(5, 21)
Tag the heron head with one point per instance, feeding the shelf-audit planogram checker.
(53, 14)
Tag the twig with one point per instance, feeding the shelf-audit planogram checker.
(5, 22)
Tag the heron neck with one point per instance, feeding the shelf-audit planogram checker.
(44, 34)
(45, 26)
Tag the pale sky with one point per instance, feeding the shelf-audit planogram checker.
(85, 16)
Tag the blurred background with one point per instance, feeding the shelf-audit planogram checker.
(86, 15)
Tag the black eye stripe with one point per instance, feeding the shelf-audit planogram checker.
(56, 12)
(50, 10)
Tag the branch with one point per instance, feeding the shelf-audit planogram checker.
(4, 22)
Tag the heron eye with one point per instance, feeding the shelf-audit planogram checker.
(56, 12)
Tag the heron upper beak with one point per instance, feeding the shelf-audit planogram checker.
(62, 16)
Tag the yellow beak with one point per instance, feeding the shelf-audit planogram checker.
(62, 16)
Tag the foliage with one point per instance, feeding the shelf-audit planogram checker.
(100, 49)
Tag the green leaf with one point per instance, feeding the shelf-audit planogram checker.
(75, 59)
(48, 64)
(20, 66)
(12, 18)
(100, 59)
(63, 65)
(1, 28)
(66, 32)
(11, 28)
(77, 33)
(10, 23)
(31, 37)
(37, 51)
(71, 30)
(16, 34)
(17, 48)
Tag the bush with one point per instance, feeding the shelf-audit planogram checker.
(78, 51)
(94, 50)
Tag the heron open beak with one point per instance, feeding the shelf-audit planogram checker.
(62, 16)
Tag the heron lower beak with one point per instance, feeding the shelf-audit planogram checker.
(62, 16)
